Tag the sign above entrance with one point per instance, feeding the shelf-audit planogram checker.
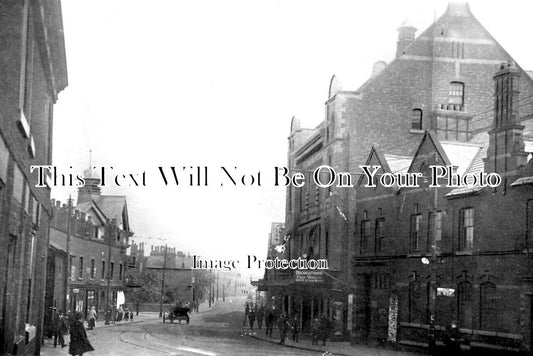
(310, 277)
(446, 292)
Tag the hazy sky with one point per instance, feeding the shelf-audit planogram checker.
(215, 83)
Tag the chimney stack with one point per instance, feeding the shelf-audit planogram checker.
(406, 36)
(506, 155)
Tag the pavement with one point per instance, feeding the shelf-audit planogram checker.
(341, 348)
(215, 331)
(47, 348)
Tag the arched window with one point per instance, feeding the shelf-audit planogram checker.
(464, 304)
(415, 315)
(487, 307)
(416, 119)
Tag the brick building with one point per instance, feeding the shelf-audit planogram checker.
(183, 283)
(482, 264)
(441, 81)
(97, 244)
(33, 71)
(179, 276)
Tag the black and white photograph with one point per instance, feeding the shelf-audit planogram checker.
(273, 177)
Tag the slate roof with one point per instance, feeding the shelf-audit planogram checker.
(398, 163)
(461, 154)
(481, 140)
(108, 206)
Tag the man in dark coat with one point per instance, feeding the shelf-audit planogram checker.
(315, 329)
(295, 328)
(246, 312)
(79, 344)
(283, 326)
(60, 328)
(260, 316)
(269, 320)
(324, 329)
(251, 317)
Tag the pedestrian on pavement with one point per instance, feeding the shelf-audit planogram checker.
(295, 328)
(324, 329)
(131, 312)
(260, 316)
(246, 312)
(283, 326)
(114, 314)
(54, 325)
(137, 306)
(315, 331)
(79, 344)
(92, 318)
(269, 321)
(251, 317)
(120, 313)
(60, 328)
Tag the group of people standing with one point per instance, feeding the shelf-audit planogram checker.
(120, 313)
(320, 328)
(253, 313)
(73, 325)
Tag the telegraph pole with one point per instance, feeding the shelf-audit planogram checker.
(433, 283)
(210, 287)
(109, 241)
(163, 283)
(217, 286)
(67, 275)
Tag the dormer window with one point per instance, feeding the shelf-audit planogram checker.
(416, 119)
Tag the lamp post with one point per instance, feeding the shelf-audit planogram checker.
(163, 283)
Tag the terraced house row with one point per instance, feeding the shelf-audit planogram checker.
(406, 262)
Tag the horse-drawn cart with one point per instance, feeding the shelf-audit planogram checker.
(176, 313)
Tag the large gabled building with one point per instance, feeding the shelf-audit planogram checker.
(471, 243)
(441, 81)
